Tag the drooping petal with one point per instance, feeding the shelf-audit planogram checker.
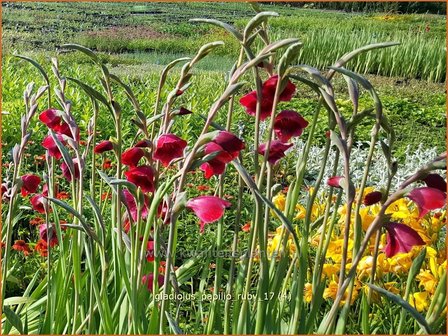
(436, 181)
(66, 171)
(271, 84)
(288, 124)
(400, 239)
(168, 148)
(44, 229)
(30, 183)
(276, 150)
(143, 143)
(103, 146)
(39, 203)
(208, 208)
(148, 280)
(335, 181)
(427, 199)
(129, 200)
(249, 102)
(51, 118)
(132, 156)
(49, 144)
(372, 198)
(229, 142)
(141, 176)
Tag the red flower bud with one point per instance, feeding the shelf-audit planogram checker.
(103, 146)
(372, 198)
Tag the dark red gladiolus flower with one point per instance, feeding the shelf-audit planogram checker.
(132, 156)
(208, 208)
(49, 144)
(39, 203)
(168, 148)
(276, 151)
(51, 118)
(43, 233)
(103, 146)
(141, 176)
(229, 142)
(335, 181)
(435, 181)
(400, 239)
(66, 171)
(129, 200)
(30, 183)
(64, 128)
(288, 124)
(271, 84)
(372, 198)
(148, 280)
(427, 199)
(20, 245)
(217, 165)
(150, 251)
(143, 143)
(249, 102)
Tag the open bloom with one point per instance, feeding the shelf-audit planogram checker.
(209, 209)
(148, 280)
(288, 124)
(66, 171)
(435, 181)
(132, 156)
(103, 146)
(39, 203)
(217, 165)
(400, 239)
(30, 183)
(372, 198)
(229, 142)
(427, 199)
(50, 145)
(42, 248)
(20, 245)
(249, 101)
(276, 151)
(129, 200)
(50, 117)
(168, 148)
(44, 230)
(150, 251)
(141, 176)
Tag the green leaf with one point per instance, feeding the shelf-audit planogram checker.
(173, 325)
(91, 92)
(411, 310)
(256, 21)
(15, 300)
(82, 49)
(37, 65)
(231, 29)
(13, 318)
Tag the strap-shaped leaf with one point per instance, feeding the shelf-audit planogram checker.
(97, 212)
(91, 92)
(231, 29)
(16, 300)
(347, 57)
(173, 325)
(82, 49)
(65, 154)
(37, 65)
(411, 310)
(279, 44)
(256, 21)
(13, 318)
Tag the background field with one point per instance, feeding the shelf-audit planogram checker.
(137, 39)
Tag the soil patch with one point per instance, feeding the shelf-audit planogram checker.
(129, 32)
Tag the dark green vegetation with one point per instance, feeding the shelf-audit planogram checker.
(137, 39)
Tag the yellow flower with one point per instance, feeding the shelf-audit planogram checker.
(308, 292)
(390, 286)
(335, 250)
(366, 218)
(427, 280)
(400, 210)
(279, 201)
(329, 270)
(301, 212)
(332, 289)
(401, 262)
(419, 301)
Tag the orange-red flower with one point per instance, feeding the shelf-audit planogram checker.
(20, 245)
